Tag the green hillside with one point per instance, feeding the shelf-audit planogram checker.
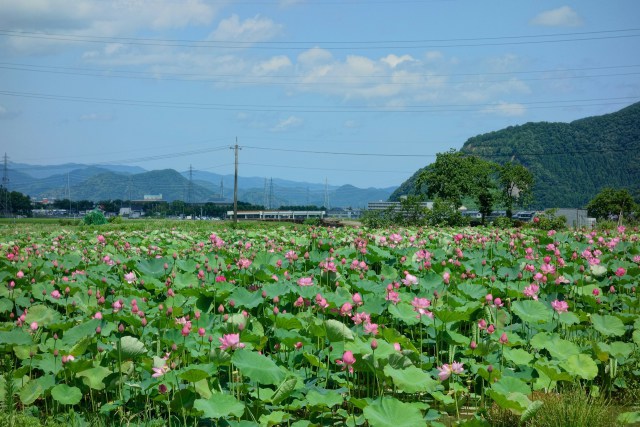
(571, 162)
(110, 185)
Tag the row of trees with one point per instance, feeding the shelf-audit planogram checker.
(14, 203)
(455, 176)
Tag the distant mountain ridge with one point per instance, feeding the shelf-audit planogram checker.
(570, 162)
(111, 182)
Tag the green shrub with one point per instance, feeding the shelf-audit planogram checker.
(549, 221)
(503, 222)
(95, 218)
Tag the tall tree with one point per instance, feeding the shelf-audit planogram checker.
(516, 185)
(611, 202)
(454, 176)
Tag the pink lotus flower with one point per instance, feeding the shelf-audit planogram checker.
(55, 294)
(347, 361)
(457, 368)
(560, 306)
(503, 338)
(305, 281)
(531, 291)
(158, 372)
(393, 296)
(446, 276)
(621, 272)
(371, 328)
(130, 277)
(444, 372)
(34, 326)
(410, 279)
(230, 341)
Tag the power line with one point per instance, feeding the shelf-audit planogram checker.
(297, 45)
(287, 79)
(436, 108)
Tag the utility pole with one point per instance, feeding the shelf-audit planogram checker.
(266, 194)
(69, 192)
(271, 204)
(6, 208)
(190, 192)
(235, 183)
(326, 194)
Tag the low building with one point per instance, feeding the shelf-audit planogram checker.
(396, 206)
(576, 218)
(277, 215)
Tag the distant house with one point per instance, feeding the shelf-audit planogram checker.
(576, 217)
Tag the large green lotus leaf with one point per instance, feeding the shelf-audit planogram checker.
(581, 365)
(518, 356)
(275, 418)
(556, 346)
(30, 392)
(374, 304)
(131, 347)
(6, 305)
(193, 374)
(629, 418)
(42, 315)
(551, 370)
(284, 390)
(636, 336)
(243, 298)
(15, 337)
(390, 412)
(153, 267)
(94, 377)
(219, 406)
(78, 332)
(188, 265)
(257, 367)
(338, 331)
(508, 384)
(330, 398)
(569, 318)
(620, 350)
(608, 325)
(404, 312)
(66, 395)
(474, 292)
(516, 402)
(411, 379)
(531, 311)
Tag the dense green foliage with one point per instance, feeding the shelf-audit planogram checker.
(14, 203)
(197, 324)
(610, 202)
(94, 217)
(570, 162)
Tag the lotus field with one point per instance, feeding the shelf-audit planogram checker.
(311, 326)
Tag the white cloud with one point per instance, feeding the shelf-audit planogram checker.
(272, 65)
(561, 17)
(250, 30)
(288, 123)
(393, 60)
(506, 109)
(89, 18)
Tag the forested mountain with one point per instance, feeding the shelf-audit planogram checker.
(96, 183)
(570, 162)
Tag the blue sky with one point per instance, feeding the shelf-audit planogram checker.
(171, 84)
